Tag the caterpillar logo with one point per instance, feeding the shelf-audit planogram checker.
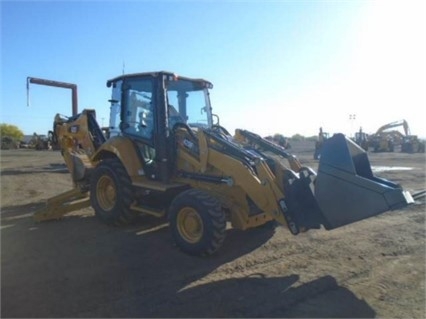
(74, 129)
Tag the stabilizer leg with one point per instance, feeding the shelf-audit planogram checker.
(58, 206)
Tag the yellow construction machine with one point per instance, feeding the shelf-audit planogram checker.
(168, 156)
(386, 137)
(361, 139)
(319, 143)
(40, 142)
(412, 144)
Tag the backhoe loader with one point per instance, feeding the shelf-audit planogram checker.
(168, 156)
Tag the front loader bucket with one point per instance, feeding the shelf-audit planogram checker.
(346, 189)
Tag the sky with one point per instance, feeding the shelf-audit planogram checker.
(285, 67)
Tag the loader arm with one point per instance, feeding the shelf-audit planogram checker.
(251, 139)
(344, 191)
(242, 177)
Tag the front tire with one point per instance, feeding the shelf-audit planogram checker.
(197, 222)
(111, 193)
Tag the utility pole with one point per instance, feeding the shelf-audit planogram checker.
(352, 118)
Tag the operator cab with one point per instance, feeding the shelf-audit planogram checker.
(147, 106)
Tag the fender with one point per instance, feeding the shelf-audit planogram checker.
(124, 149)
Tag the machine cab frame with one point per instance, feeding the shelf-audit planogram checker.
(145, 107)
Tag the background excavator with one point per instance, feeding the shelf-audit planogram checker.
(386, 137)
(168, 156)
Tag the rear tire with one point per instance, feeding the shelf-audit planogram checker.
(111, 193)
(197, 222)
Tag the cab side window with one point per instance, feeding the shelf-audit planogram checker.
(139, 109)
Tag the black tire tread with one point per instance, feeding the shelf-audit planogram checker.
(212, 211)
(122, 214)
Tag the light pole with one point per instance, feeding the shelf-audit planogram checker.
(352, 118)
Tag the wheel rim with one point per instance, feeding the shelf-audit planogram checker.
(190, 225)
(106, 193)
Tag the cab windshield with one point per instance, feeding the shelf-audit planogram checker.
(188, 102)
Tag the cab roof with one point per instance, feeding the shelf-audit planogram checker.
(155, 75)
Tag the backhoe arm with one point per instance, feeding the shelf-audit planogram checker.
(78, 137)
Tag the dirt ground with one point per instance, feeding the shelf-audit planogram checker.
(79, 267)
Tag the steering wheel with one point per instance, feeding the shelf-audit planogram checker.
(220, 129)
